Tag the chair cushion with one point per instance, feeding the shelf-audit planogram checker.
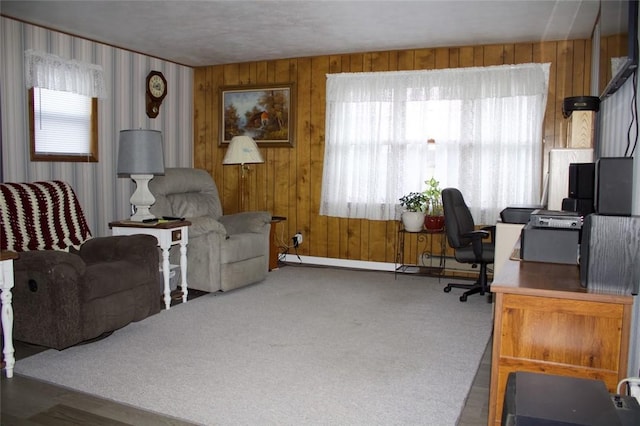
(107, 278)
(238, 223)
(191, 204)
(465, 254)
(204, 225)
(193, 184)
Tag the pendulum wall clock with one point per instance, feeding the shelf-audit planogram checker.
(156, 91)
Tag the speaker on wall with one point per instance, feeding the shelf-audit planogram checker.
(609, 253)
(613, 185)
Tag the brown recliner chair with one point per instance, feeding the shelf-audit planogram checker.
(70, 287)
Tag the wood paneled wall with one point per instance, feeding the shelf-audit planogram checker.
(288, 183)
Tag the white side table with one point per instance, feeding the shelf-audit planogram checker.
(6, 284)
(167, 233)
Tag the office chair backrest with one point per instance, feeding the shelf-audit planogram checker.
(457, 218)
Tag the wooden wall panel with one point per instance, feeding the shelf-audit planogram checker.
(289, 182)
(318, 227)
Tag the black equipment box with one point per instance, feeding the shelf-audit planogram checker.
(517, 214)
(549, 400)
(556, 219)
(552, 245)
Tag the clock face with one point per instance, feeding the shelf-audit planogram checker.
(156, 86)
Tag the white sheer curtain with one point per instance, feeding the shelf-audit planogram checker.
(486, 122)
(52, 72)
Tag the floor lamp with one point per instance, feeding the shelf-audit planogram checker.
(243, 150)
(140, 157)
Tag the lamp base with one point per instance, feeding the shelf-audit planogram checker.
(141, 214)
(142, 199)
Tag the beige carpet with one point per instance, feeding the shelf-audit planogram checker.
(308, 346)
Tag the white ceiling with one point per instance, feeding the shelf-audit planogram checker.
(199, 33)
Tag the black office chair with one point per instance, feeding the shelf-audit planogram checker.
(467, 241)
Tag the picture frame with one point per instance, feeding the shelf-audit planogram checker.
(263, 112)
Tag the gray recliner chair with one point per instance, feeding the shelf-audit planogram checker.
(224, 251)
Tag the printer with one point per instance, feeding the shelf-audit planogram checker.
(517, 214)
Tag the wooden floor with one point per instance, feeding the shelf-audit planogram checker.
(25, 401)
(476, 408)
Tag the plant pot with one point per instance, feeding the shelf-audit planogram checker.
(434, 223)
(413, 221)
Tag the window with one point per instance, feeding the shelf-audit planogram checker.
(486, 122)
(63, 107)
(63, 126)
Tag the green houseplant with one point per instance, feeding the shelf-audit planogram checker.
(413, 215)
(414, 202)
(434, 219)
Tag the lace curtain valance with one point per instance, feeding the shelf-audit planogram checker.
(52, 72)
(471, 83)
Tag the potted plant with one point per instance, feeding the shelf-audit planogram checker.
(414, 204)
(434, 219)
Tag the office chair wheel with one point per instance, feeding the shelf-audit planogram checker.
(463, 298)
(447, 289)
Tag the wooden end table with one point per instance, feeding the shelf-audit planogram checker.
(273, 246)
(168, 233)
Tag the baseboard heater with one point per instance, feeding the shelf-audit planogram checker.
(451, 265)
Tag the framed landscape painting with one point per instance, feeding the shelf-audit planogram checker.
(263, 112)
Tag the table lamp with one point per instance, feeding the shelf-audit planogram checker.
(140, 157)
(243, 150)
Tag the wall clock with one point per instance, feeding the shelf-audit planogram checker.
(156, 91)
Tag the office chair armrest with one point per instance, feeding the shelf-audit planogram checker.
(492, 231)
(478, 234)
(476, 240)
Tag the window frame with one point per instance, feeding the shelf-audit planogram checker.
(91, 157)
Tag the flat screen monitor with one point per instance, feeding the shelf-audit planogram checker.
(618, 23)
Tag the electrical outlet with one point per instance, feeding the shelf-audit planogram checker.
(297, 239)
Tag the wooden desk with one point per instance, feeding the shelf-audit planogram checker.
(546, 323)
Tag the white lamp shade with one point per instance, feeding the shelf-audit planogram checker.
(242, 150)
(140, 153)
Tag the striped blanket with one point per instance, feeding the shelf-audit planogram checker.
(41, 216)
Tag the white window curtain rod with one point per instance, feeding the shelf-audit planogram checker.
(52, 72)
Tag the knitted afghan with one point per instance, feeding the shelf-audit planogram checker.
(41, 216)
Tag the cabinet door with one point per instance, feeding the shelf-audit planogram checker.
(566, 337)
